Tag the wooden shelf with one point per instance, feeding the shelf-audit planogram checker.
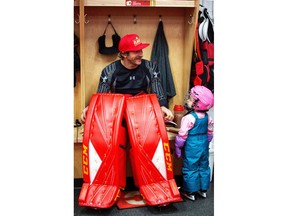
(122, 3)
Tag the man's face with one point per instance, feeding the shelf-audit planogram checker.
(134, 57)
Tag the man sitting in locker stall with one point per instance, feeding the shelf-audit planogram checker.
(129, 88)
(132, 74)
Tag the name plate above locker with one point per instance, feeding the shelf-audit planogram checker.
(139, 3)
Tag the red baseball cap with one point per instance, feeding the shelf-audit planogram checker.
(131, 42)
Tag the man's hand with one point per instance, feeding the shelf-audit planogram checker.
(83, 115)
(168, 115)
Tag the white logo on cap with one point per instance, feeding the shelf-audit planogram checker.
(136, 41)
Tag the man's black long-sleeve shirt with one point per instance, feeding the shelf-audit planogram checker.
(145, 78)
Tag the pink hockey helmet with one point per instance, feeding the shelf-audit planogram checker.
(204, 98)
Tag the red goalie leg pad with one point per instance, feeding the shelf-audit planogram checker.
(103, 155)
(98, 195)
(150, 155)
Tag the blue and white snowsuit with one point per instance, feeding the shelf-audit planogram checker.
(196, 170)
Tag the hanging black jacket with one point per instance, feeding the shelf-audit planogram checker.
(76, 57)
(159, 56)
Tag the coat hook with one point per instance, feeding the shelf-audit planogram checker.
(86, 22)
(77, 22)
(109, 18)
(160, 18)
(134, 19)
(190, 21)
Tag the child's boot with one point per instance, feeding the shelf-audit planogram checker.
(202, 193)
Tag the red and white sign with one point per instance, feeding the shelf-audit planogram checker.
(135, 3)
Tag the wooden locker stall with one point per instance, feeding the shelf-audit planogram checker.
(91, 17)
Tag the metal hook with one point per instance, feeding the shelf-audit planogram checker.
(190, 21)
(160, 18)
(77, 22)
(134, 19)
(86, 22)
(109, 19)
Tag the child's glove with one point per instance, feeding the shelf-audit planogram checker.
(179, 143)
(210, 137)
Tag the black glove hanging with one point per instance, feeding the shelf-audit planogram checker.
(115, 38)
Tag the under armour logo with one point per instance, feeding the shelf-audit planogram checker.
(132, 77)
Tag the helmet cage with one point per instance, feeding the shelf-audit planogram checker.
(203, 98)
